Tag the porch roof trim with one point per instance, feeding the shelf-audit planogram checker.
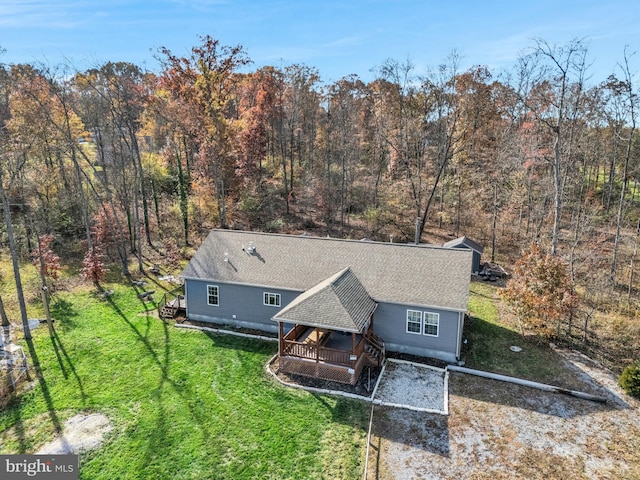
(338, 303)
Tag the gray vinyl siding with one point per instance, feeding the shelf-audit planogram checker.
(390, 324)
(390, 319)
(243, 301)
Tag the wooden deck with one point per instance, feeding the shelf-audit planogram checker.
(318, 353)
(173, 304)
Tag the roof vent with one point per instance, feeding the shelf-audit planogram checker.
(252, 248)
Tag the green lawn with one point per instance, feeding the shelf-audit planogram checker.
(184, 404)
(489, 342)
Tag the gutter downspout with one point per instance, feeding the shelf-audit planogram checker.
(460, 328)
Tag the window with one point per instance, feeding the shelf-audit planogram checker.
(414, 321)
(431, 323)
(272, 299)
(213, 295)
(425, 323)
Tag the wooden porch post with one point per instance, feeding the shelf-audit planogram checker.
(280, 339)
(353, 343)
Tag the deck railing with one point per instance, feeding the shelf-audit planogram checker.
(308, 351)
(172, 300)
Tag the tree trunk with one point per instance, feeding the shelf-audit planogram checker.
(285, 184)
(343, 181)
(432, 193)
(3, 314)
(156, 203)
(458, 205)
(143, 189)
(632, 265)
(45, 288)
(83, 200)
(623, 192)
(184, 199)
(625, 175)
(291, 163)
(494, 223)
(557, 192)
(585, 328)
(16, 265)
(136, 215)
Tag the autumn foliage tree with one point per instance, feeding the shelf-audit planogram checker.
(93, 267)
(205, 81)
(540, 293)
(45, 259)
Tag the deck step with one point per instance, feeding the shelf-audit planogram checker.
(167, 312)
(374, 351)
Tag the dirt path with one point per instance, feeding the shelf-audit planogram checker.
(81, 432)
(497, 430)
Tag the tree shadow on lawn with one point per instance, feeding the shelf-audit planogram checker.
(64, 313)
(488, 349)
(162, 361)
(60, 351)
(64, 358)
(346, 411)
(246, 344)
(57, 424)
(420, 430)
(18, 426)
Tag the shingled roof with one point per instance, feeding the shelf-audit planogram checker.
(338, 303)
(390, 272)
(464, 241)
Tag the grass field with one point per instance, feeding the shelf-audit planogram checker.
(188, 405)
(184, 404)
(489, 341)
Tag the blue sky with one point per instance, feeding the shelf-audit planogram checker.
(338, 37)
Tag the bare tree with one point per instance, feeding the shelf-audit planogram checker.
(551, 83)
(625, 90)
(11, 166)
(422, 130)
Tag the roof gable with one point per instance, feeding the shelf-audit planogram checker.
(338, 303)
(466, 242)
(390, 272)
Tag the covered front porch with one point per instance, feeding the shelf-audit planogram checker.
(334, 345)
(321, 353)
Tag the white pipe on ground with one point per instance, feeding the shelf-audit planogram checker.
(528, 383)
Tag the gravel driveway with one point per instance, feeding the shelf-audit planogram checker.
(501, 431)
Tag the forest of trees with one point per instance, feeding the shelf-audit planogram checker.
(118, 163)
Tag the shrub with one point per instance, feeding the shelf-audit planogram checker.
(274, 226)
(540, 292)
(630, 380)
(93, 266)
(50, 261)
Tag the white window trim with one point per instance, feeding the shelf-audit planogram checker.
(217, 295)
(276, 296)
(419, 332)
(437, 324)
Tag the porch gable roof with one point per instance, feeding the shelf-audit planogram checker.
(338, 303)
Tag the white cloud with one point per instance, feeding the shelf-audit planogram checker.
(38, 13)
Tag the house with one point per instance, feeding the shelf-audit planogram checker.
(476, 248)
(335, 304)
